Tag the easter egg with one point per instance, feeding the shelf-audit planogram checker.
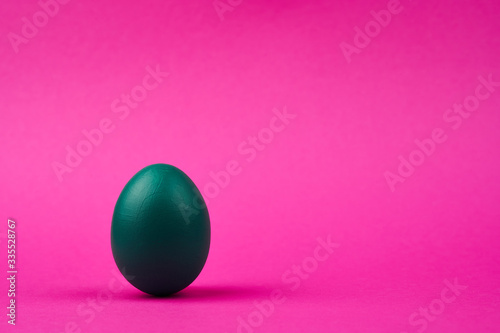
(160, 231)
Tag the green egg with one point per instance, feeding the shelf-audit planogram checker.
(160, 233)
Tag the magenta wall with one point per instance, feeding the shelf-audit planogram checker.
(369, 125)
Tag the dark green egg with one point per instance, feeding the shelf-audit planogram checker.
(160, 234)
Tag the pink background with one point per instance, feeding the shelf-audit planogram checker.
(323, 175)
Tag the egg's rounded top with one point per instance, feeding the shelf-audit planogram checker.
(160, 233)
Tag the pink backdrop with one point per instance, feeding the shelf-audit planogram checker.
(413, 250)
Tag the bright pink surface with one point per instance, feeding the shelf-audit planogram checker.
(322, 174)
